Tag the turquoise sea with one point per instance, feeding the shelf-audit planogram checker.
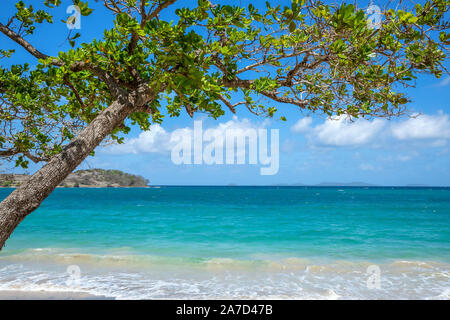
(235, 242)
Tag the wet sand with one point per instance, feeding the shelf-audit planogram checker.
(48, 295)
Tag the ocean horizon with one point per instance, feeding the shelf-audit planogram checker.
(235, 242)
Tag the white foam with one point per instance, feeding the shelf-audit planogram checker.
(224, 278)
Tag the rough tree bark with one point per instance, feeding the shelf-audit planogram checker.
(32, 192)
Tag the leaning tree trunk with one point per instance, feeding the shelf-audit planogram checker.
(35, 189)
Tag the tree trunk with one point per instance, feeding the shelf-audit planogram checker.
(32, 192)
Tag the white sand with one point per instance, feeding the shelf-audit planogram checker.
(48, 295)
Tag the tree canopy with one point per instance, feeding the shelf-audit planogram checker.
(312, 55)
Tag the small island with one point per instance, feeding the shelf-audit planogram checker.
(91, 178)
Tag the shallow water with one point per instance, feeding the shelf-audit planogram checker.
(235, 242)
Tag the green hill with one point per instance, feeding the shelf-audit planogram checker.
(86, 178)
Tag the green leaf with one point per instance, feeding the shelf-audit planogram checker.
(292, 26)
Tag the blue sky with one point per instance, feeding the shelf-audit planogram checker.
(312, 149)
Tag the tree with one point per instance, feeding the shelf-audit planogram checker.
(311, 55)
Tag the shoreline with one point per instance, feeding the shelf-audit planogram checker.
(49, 295)
(89, 187)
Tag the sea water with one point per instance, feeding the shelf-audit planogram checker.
(235, 242)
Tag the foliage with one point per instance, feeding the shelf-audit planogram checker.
(7, 183)
(312, 55)
(100, 177)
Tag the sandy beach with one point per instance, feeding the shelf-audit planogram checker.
(48, 295)
(232, 243)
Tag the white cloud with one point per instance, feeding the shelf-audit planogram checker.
(439, 143)
(239, 125)
(302, 125)
(288, 146)
(423, 127)
(403, 158)
(158, 140)
(368, 167)
(241, 130)
(342, 132)
(444, 82)
(155, 140)
(434, 129)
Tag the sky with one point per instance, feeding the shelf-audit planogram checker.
(312, 148)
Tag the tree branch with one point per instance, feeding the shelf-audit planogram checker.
(115, 89)
(247, 84)
(13, 152)
(161, 7)
(227, 103)
(187, 106)
(25, 44)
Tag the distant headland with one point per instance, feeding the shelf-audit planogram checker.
(91, 178)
